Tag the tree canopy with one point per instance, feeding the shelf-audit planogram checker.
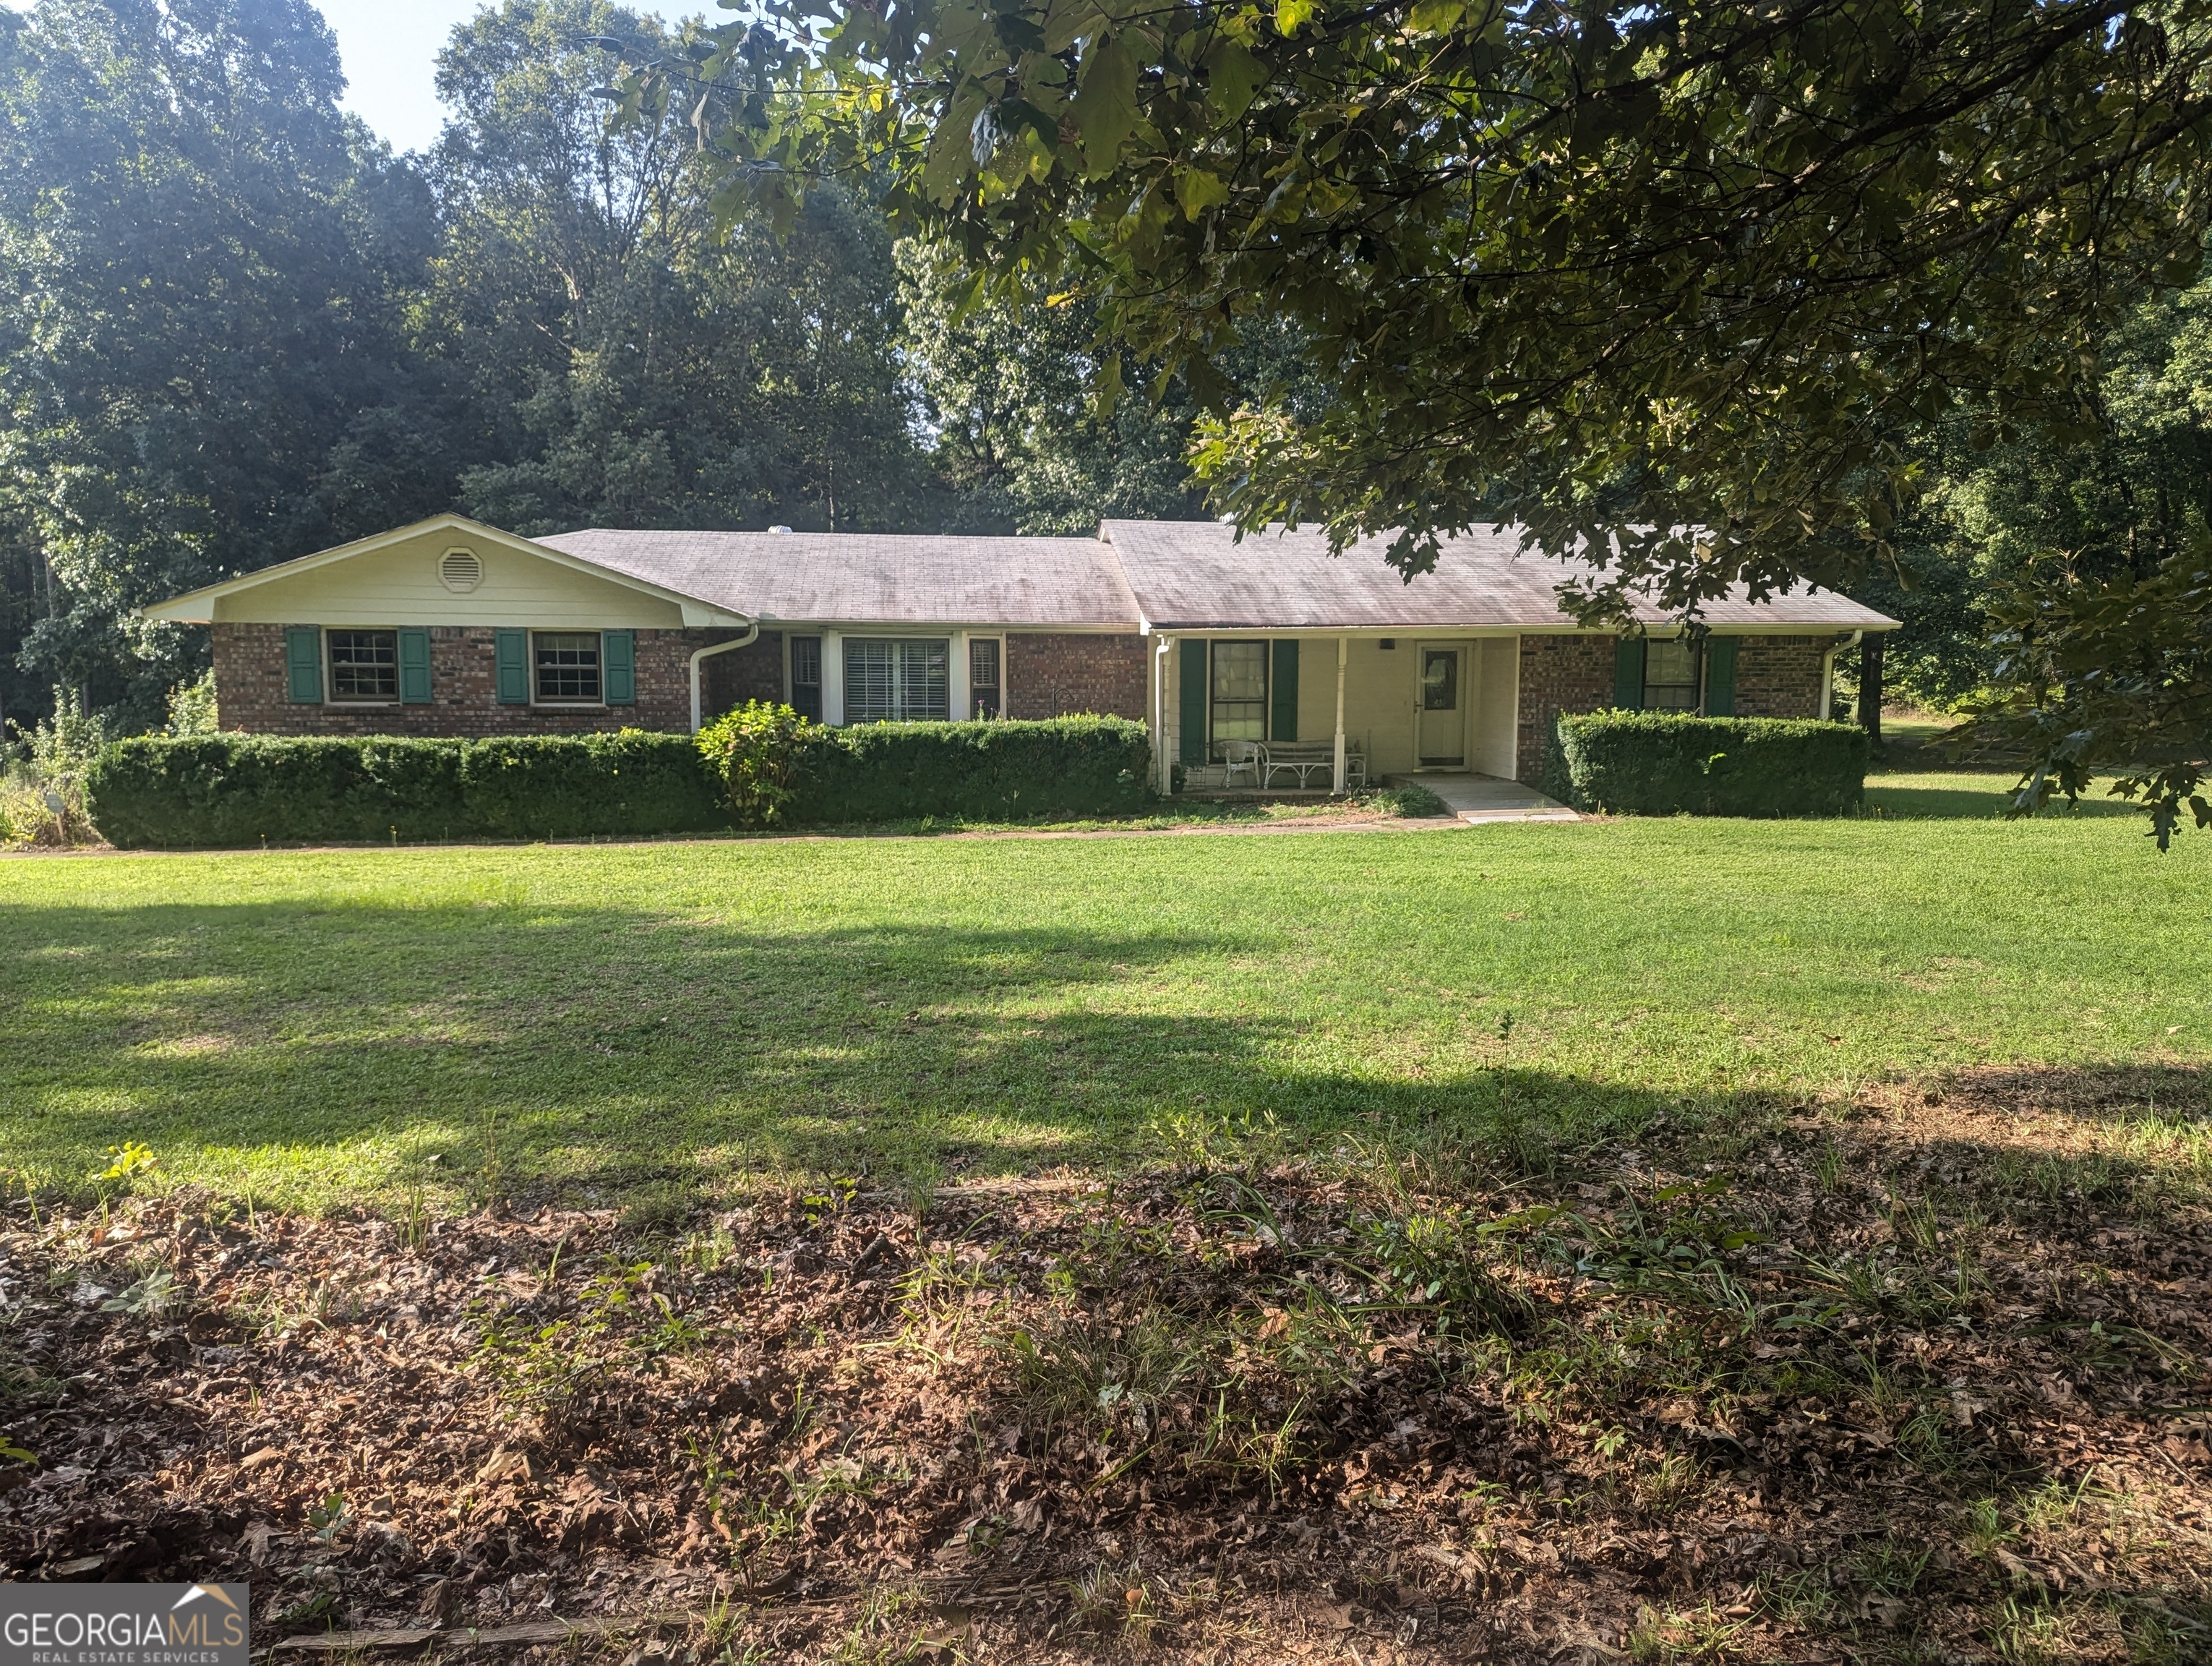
(1673, 280)
(1694, 287)
(234, 328)
(204, 264)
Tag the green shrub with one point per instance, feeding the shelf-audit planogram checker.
(560, 786)
(235, 789)
(754, 753)
(192, 707)
(1665, 764)
(994, 771)
(1409, 798)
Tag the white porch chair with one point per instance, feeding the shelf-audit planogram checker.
(1241, 758)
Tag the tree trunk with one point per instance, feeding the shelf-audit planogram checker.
(1870, 684)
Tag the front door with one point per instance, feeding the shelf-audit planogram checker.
(1442, 738)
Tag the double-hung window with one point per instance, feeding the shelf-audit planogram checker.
(889, 679)
(806, 677)
(364, 665)
(566, 667)
(1240, 693)
(1670, 674)
(984, 698)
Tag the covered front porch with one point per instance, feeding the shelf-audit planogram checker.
(1436, 702)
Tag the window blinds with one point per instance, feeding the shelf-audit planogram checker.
(891, 680)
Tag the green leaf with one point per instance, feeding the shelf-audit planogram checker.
(1199, 191)
(1109, 387)
(1292, 15)
(1233, 78)
(1105, 103)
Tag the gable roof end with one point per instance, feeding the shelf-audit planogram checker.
(197, 606)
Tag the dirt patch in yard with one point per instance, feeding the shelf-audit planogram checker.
(1918, 1379)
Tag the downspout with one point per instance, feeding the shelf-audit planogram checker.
(752, 635)
(1828, 672)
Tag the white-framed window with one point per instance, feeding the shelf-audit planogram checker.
(1239, 693)
(364, 666)
(986, 680)
(806, 677)
(567, 668)
(897, 679)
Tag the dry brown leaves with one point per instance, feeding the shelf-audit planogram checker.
(1926, 1382)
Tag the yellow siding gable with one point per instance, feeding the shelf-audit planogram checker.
(399, 584)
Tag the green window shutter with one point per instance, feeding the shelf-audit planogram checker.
(1193, 702)
(512, 657)
(1282, 720)
(620, 655)
(303, 664)
(1720, 676)
(1628, 674)
(415, 667)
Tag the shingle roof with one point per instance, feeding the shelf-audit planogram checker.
(1171, 575)
(1197, 575)
(869, 578)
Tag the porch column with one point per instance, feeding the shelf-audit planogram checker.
(1343, 651)
(955, 679)
(833, 678)
(1163, 752)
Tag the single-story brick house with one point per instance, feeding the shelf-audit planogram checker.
(451, 627)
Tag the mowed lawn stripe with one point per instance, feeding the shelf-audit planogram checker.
(329, 1025)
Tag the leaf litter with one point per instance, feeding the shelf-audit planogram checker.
(1923, 1378)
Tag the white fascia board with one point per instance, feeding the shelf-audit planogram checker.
(197, 606)
(940, 627)
(1235, 631)
(1762, 628)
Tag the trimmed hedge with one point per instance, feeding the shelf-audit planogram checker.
(998, 771)
(1667, 764)
(234, 789)
(555, 787)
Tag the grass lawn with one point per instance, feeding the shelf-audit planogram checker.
(1854, 1350)
(318, 1026)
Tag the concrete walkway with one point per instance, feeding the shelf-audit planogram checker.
(1475, 798)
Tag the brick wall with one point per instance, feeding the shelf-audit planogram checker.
(1775, 677)
(1558, 674)
(1060, 675)
(754, 672)
(251, 687)
(1779, 676)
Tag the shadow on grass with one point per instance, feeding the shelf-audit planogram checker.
(324, 1055)
(1972, 796)
(320, 1052)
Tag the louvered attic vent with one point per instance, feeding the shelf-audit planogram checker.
(460, 569)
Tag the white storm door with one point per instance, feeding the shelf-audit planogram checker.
(1441, 719)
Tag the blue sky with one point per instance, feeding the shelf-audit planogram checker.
(391, 50)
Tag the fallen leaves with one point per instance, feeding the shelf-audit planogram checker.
(1579, 1399)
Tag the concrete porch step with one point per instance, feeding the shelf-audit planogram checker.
(1473, 798)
